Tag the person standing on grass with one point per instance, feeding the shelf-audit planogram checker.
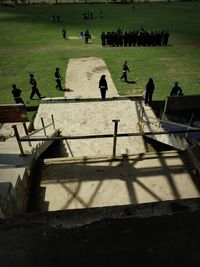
(64, 33)
(149, 92)
(17, 94)
(125, 69)
(176, 90)
(34, 87)
(103, 86)
(58, 79)
(87, 35)
(53, 18)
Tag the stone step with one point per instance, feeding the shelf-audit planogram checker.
(149, 155)
(172, 140)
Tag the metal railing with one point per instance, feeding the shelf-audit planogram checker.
(28, 135)
(30, 138)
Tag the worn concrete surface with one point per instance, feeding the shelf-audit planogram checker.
(95, 117)
(98, 182)
(47, 239)
(83, 75)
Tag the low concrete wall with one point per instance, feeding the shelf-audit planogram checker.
(182, 103)
(194, 156)
(14, 195)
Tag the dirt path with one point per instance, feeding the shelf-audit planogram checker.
(82, 77)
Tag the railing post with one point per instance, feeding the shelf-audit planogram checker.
(26, 132)
(142, 114)
(18, 140)
(160, 117)
(43, 127)
(190, 123)
(115, 137)
(52, 118)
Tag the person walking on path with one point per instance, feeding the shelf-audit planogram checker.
(58, 79)
(103, 86)
(149, 91)
(17, 94)
(176, 90)
(124, 71)
(34, 87)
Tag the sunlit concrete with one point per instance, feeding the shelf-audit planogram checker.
(105, 182)
(92, 118)
(83, 75)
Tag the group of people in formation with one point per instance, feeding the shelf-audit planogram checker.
(139, 37)
(89, 15)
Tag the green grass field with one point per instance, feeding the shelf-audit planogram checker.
(30, 42)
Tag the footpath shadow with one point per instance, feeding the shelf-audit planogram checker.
(158, 106)
(131, 82)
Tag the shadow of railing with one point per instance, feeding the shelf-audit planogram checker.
(124, 180)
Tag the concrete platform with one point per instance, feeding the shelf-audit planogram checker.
(92, 118)
(99, 182)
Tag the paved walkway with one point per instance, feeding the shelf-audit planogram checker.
(82, 77)
(95, 118)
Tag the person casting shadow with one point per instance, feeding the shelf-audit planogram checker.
(34, 87)
(149, 91)
(103, 86)
(125, 69)
(58, 79)
(17, 94)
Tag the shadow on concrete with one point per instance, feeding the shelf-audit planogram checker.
(73, 176)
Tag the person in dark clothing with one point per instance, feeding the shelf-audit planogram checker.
(103, 86)
(149, 91)
(53, 19)
(17, 94)
(176, 90)
(58, 18)
(165, 38)
(87, 35)
(124, 71)
(103, 39)
(34, 87)
(58, 79)
(64, 33)
(101, 14)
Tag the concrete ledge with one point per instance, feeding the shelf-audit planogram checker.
(194, 155)
(67, 100)
(79, 217)
(181, 103)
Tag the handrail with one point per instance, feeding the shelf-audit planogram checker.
(36, 131)
(102, 135)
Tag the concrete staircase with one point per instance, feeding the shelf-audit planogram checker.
(15, 173)
(173, 140)
(102, 181)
